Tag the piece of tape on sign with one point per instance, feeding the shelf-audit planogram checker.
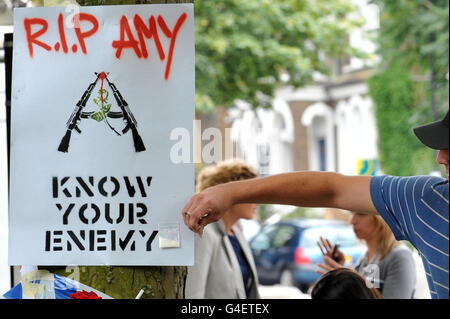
(169, 235)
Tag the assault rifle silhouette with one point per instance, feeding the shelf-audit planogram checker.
(128, 117)
(72, 123)
(78, 114)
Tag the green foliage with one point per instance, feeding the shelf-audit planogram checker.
(401, 153)
(243, 47)
(412, 30)
(411, 35)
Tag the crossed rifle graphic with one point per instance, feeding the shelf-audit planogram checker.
(78, 114)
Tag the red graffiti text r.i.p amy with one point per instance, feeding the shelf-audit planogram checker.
(35, 28)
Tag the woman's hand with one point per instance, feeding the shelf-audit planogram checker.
(327, 250)
(329, 265)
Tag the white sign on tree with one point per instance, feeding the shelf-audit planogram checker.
(95, 96)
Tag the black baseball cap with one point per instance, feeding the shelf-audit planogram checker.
(434, 135)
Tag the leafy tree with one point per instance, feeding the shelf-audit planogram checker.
(412, 31)
(244, 48)
(401, 153)
(411, 86)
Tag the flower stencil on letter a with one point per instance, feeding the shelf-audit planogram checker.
(102, 115)
(102, 102)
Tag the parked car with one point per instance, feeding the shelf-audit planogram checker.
(286, 252)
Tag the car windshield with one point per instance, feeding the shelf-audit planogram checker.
(341, 234)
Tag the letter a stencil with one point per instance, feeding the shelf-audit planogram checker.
(104, 112)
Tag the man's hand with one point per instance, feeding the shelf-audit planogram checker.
(208, 206)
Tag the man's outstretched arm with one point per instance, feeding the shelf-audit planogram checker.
(307, 189)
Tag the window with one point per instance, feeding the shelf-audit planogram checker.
(322, 155)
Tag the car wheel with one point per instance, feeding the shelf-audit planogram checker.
(287, 278)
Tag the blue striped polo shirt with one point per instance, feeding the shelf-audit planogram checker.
(416, 209)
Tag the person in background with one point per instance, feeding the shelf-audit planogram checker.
(224, 267)
(388, 264)
(416, 208)
(343, 283)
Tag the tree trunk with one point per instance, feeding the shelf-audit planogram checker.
(126, 282)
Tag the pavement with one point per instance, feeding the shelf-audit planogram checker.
(281, 292)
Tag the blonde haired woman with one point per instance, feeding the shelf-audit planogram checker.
(224, 266)
(387, 264)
